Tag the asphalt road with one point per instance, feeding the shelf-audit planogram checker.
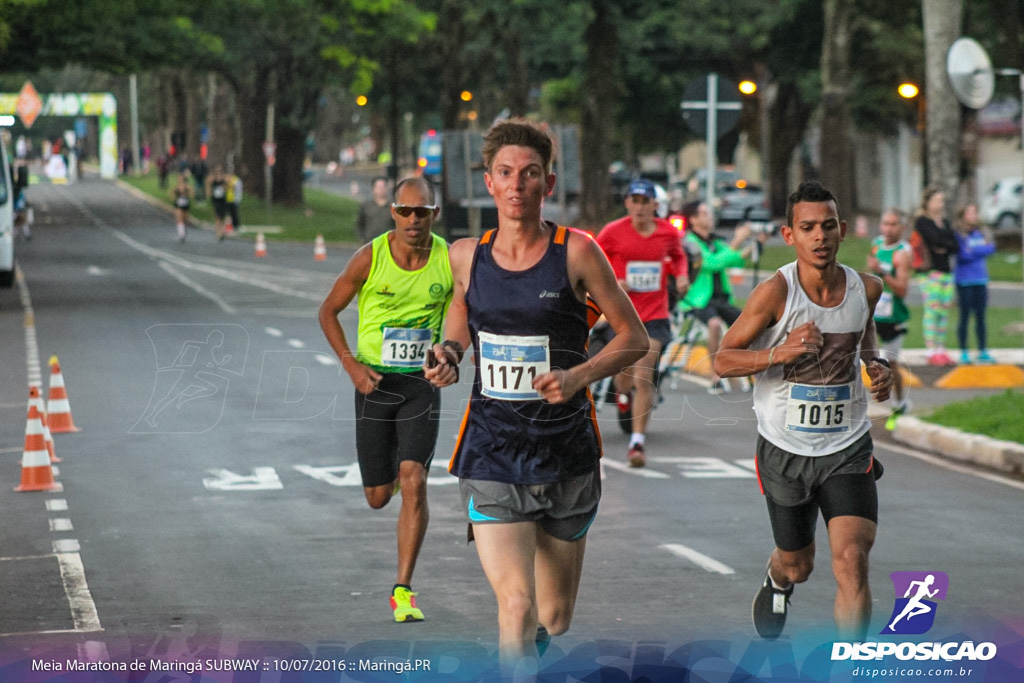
(211, 506)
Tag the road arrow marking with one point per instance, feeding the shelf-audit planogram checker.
(261, 479)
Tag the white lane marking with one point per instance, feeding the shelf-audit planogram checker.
(198, 288)
(273, 331)
(324, 359)
(296, 343)
(749, 463)
(66, 545)
(705, 468)
(953, 467)
(261, 479)
(701, 560)
(60, 524)
(56, 505)
(259, 281)
(638, 471)
(341, 475)
(83, 609)
(96, 270)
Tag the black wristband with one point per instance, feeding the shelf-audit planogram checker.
(881, 361)
(456, 347)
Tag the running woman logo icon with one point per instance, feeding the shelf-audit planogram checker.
(914, 612)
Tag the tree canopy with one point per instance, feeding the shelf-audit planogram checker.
(616, 67)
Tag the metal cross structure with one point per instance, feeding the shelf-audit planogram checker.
(701, 97)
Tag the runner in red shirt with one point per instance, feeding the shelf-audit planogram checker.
(643, 251)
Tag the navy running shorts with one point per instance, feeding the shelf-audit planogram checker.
(659, 330)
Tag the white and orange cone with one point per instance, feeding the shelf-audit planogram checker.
(36, 398)
(261, 245)
(319, 249)
(58, 407)
(36, 470)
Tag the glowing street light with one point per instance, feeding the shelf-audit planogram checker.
(361, 100)
(466, 96)
(747, 87)
(908, 91)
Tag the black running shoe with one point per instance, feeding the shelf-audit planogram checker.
(770, 608)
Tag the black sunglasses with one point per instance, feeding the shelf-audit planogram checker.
(420, 211)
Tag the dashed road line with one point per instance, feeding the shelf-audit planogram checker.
(76, 589)
(197, 288)
(700, 559)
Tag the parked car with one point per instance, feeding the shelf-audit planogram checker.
(1001, 207)
(6, 221)
(736, 200)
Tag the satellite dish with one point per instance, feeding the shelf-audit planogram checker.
(970, 73)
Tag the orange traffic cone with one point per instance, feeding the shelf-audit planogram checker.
(319, 249)
(35, 398)
(261, 245)
(36, 470)
(58, 407)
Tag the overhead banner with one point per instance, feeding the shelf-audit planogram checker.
(101, 105)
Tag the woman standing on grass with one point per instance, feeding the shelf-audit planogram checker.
(971, 276)
(936, 279)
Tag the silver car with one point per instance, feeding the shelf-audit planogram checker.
(736, 201)
(1001, 207)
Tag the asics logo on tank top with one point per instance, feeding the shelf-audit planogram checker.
(548, 295)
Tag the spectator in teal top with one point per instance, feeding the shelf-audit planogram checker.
(709, 298)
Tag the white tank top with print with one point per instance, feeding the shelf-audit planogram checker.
(815, 405)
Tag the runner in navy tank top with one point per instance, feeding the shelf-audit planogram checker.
(528, 449)
(541, 442)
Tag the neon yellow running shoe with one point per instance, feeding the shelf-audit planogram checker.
(403, 602)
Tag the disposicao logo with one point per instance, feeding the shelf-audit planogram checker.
(914, 612)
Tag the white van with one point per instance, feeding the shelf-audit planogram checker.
(6, 220)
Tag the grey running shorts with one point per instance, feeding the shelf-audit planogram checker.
(564, 509)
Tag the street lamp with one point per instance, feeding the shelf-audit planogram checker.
(362, 100)
(466, 96)
(908, 91)
(747, 87)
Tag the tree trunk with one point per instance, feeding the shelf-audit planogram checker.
(517, 90)
(788, 117)
(453, 70)
(219, 116)
(836, 145)
(252, 114)
(600, 81)
(288, 165)
(942, 25)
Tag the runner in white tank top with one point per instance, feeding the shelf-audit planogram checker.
(815, 405)
(804, 332)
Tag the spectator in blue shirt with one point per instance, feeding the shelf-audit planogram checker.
(971, 277)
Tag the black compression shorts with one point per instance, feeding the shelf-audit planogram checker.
(397, 421)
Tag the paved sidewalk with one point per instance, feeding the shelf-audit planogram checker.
(943, 385)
